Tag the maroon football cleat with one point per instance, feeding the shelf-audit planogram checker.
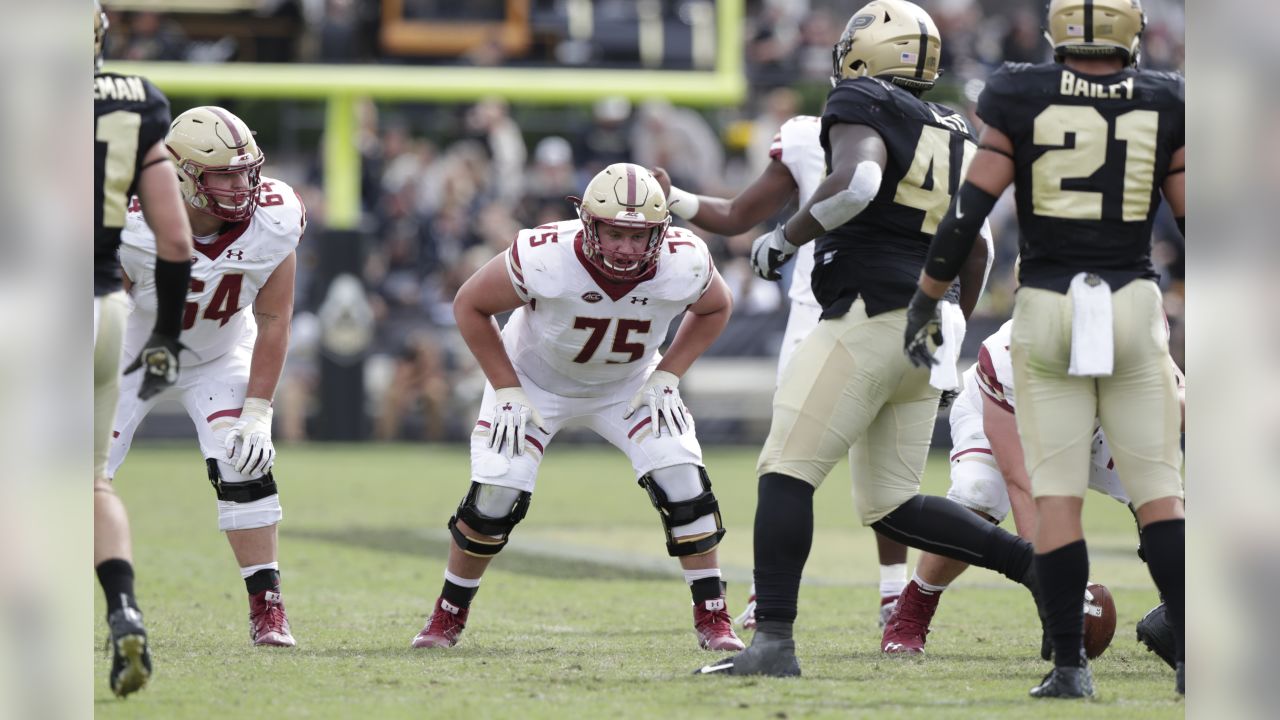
(444, 627)
(268, 624)
(714, 626)
(908, 626)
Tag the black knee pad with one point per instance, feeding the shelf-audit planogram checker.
(683, 512)
(485, 525)
(241, 492)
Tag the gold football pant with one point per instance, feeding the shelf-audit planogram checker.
(1137, 404)
(850, 389)
(111, 312)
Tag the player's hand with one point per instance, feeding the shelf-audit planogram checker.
(252, 432)
(664, 181)
(511, 414)
(924, 323)
(769, 252)
(159, 363)
(661, 392)
(948, 397)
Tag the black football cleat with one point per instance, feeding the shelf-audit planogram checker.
(768, 655)
(1157, 633)
(130, 653)
(1066, 682)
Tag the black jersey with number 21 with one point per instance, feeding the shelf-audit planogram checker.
(879, 253)
(129, 117)
(1091, 153)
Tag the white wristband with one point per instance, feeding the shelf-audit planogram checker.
(682, 203)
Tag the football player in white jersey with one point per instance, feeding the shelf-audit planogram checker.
(989, 476)
(593, 298)
(247, 229)
(795, 169)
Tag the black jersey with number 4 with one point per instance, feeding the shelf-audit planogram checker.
(1091, 153)
(129, 117)
(879, 253)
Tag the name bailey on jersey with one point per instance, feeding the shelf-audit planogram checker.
(1079, 87)
(128, 88)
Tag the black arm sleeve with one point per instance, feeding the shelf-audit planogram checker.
(954, 240)
(171, 294)
(1182, 225)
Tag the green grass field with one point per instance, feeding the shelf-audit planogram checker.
(582, 616)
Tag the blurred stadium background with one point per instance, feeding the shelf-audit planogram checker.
(422, 134)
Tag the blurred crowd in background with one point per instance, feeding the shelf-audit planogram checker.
(446, 187)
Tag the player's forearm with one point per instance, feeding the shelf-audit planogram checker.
(971, 278)
(269, 352)
(480, 333)
(695, 335)
(1023, 507)
(952, 244)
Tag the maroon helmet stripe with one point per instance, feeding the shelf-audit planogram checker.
(231, 125)
(631, 186)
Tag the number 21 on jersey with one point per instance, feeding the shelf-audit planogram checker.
(1137, 129)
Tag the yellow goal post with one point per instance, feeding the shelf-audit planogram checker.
(341, 86)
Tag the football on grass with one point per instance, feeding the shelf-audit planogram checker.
(1099, 619)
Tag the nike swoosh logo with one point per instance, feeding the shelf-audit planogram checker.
(718, 667)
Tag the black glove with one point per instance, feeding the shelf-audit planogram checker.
(923, 324)
(160, 358)
(948, 397)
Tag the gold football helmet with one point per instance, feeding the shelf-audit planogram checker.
(1095, 28)
(623, 195)
(891, 39)
(206, 142)
(99, 33)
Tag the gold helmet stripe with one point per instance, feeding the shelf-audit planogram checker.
(1088, 21)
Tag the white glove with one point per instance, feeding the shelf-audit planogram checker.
(769, 252)
(253, 431)
(511, 414)
(661, 393)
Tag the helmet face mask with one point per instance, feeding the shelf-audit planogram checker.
(891, 39)
(219, 163)
(1097, 28)
(628, 197)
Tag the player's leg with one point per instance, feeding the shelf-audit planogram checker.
(1139, 410)
(893, 575)
(112, 548)
(832, 388)
(1056, 414)
(249, 509)
(976, 483)
(496, 501)
(670, 470)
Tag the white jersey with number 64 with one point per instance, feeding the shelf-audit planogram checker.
(226, 275)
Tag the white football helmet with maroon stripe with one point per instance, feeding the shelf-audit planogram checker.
(624, 195)
(208, 141)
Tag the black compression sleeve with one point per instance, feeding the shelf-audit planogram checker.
(171, 294)
(1182, 225)
(957, 231)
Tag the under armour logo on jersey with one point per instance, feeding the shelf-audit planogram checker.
(237, 254)
(639, 300)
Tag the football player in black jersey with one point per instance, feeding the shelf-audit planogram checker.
(130, 118)
(893, 161)
(1089, 141)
